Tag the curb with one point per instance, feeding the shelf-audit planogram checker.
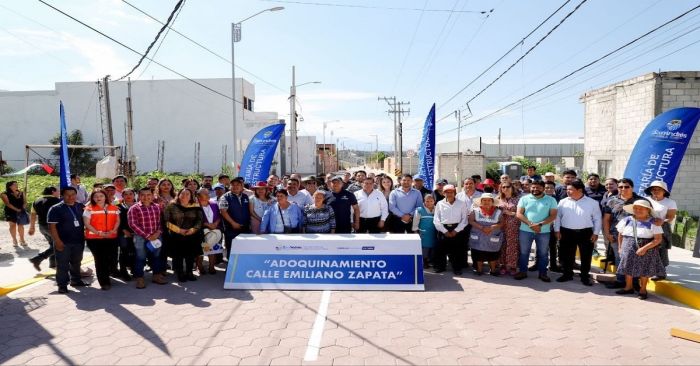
(670, 289)
(4, 290)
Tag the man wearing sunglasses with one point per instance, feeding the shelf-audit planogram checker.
(613, 212)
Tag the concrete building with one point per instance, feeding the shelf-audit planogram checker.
(178, 112)
(616, 115)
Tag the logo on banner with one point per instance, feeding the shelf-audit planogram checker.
(674, 125)
(267, 134)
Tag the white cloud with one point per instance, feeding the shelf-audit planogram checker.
(101, 58)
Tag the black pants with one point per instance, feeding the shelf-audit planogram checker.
(229, 235)
(553, 257)
(400, 227)
(450, 247)
(48, 253)
(177, 264)
(103, 251)
(369, 225)
(570, 240)
(127, 253)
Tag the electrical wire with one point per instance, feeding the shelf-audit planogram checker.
(160, 31)
(503, 56)
(579, 69)
(205, 48)
(527, 52)
(162, 41)
(137, 52)
(369, 6)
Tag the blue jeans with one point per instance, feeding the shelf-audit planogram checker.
(542, 248)
(157, 264)
(68, 263)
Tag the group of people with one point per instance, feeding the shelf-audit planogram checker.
(496, 223)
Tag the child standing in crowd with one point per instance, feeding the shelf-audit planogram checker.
(423, 225)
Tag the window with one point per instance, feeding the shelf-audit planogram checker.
(247, 104)
(604, 167)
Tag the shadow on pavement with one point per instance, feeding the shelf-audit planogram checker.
(441, 282)
(20, 332)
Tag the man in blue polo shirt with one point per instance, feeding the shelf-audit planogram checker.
(65, 221)
(536, 211)
(342, 201)
(235, 211)
(403, 202)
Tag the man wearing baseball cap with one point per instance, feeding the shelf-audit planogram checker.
(419, 184)
(437, 192)
(450, 221)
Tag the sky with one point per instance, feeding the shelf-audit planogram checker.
(420, 51)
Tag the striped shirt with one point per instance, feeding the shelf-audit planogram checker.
(144, 220)
(318, 220)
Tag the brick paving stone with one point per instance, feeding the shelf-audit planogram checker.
(224, 360)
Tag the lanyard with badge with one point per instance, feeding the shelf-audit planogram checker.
(76, 223)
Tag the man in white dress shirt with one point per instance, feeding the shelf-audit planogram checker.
(450, 221)
(577, 226)
(373, 207)
(296, 196)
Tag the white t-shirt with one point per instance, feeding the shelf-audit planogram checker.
(645, 229)
(661, 207)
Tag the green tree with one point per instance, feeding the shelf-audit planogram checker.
(82, 161)
(541, 167)
(380, 156)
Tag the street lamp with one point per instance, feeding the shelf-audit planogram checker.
(293, 118)
(236, 37)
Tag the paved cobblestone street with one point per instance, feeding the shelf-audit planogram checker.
(466, 320)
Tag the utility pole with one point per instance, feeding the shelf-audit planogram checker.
(196, 157)
(376, 150)
(458, 114)
(105, 114)
(131, 158)
(396, 108)
(160, 163)
(293, 124)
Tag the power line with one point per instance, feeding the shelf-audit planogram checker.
(204, 47)
(165, 26)
(371, 7)
(162, 41)
(503, 56)
(527, 52)
(136, 52)
(581, 68)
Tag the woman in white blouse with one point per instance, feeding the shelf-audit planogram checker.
(665, 212)
(639, 238)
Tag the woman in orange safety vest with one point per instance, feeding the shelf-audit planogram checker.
(101, 224)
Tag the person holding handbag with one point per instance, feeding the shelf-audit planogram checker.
(183, 220)
(15, 213)
(282, 217)
(101, 220)
(639, 239)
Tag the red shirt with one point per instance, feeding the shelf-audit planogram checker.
(144, 220)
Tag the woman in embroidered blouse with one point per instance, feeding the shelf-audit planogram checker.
(319, 218)
(511, 226)
(211, 219)
(183, 219)
(282, 217)
(259, 203)
(165, 194)
(485, 238)
(639, 239)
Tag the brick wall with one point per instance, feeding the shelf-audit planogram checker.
(616, 115)
(471, 164)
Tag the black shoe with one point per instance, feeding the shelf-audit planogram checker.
(495, 273)
(624, 292)
(614, 285)
(586, 282)
(564, 279)
(36, 263)
(545, 278)
(105, 287)
(62, 289)
(124, 275)
(181, 278)
(555, 269)
(190, 277)
(79, 284)
(532, 268)
(477, 272)
(643, 296)
(520, 276)
(438, 270)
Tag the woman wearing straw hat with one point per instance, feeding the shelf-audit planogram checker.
(665, 212)
(639, 238)
(486, 237)
(259, 203)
